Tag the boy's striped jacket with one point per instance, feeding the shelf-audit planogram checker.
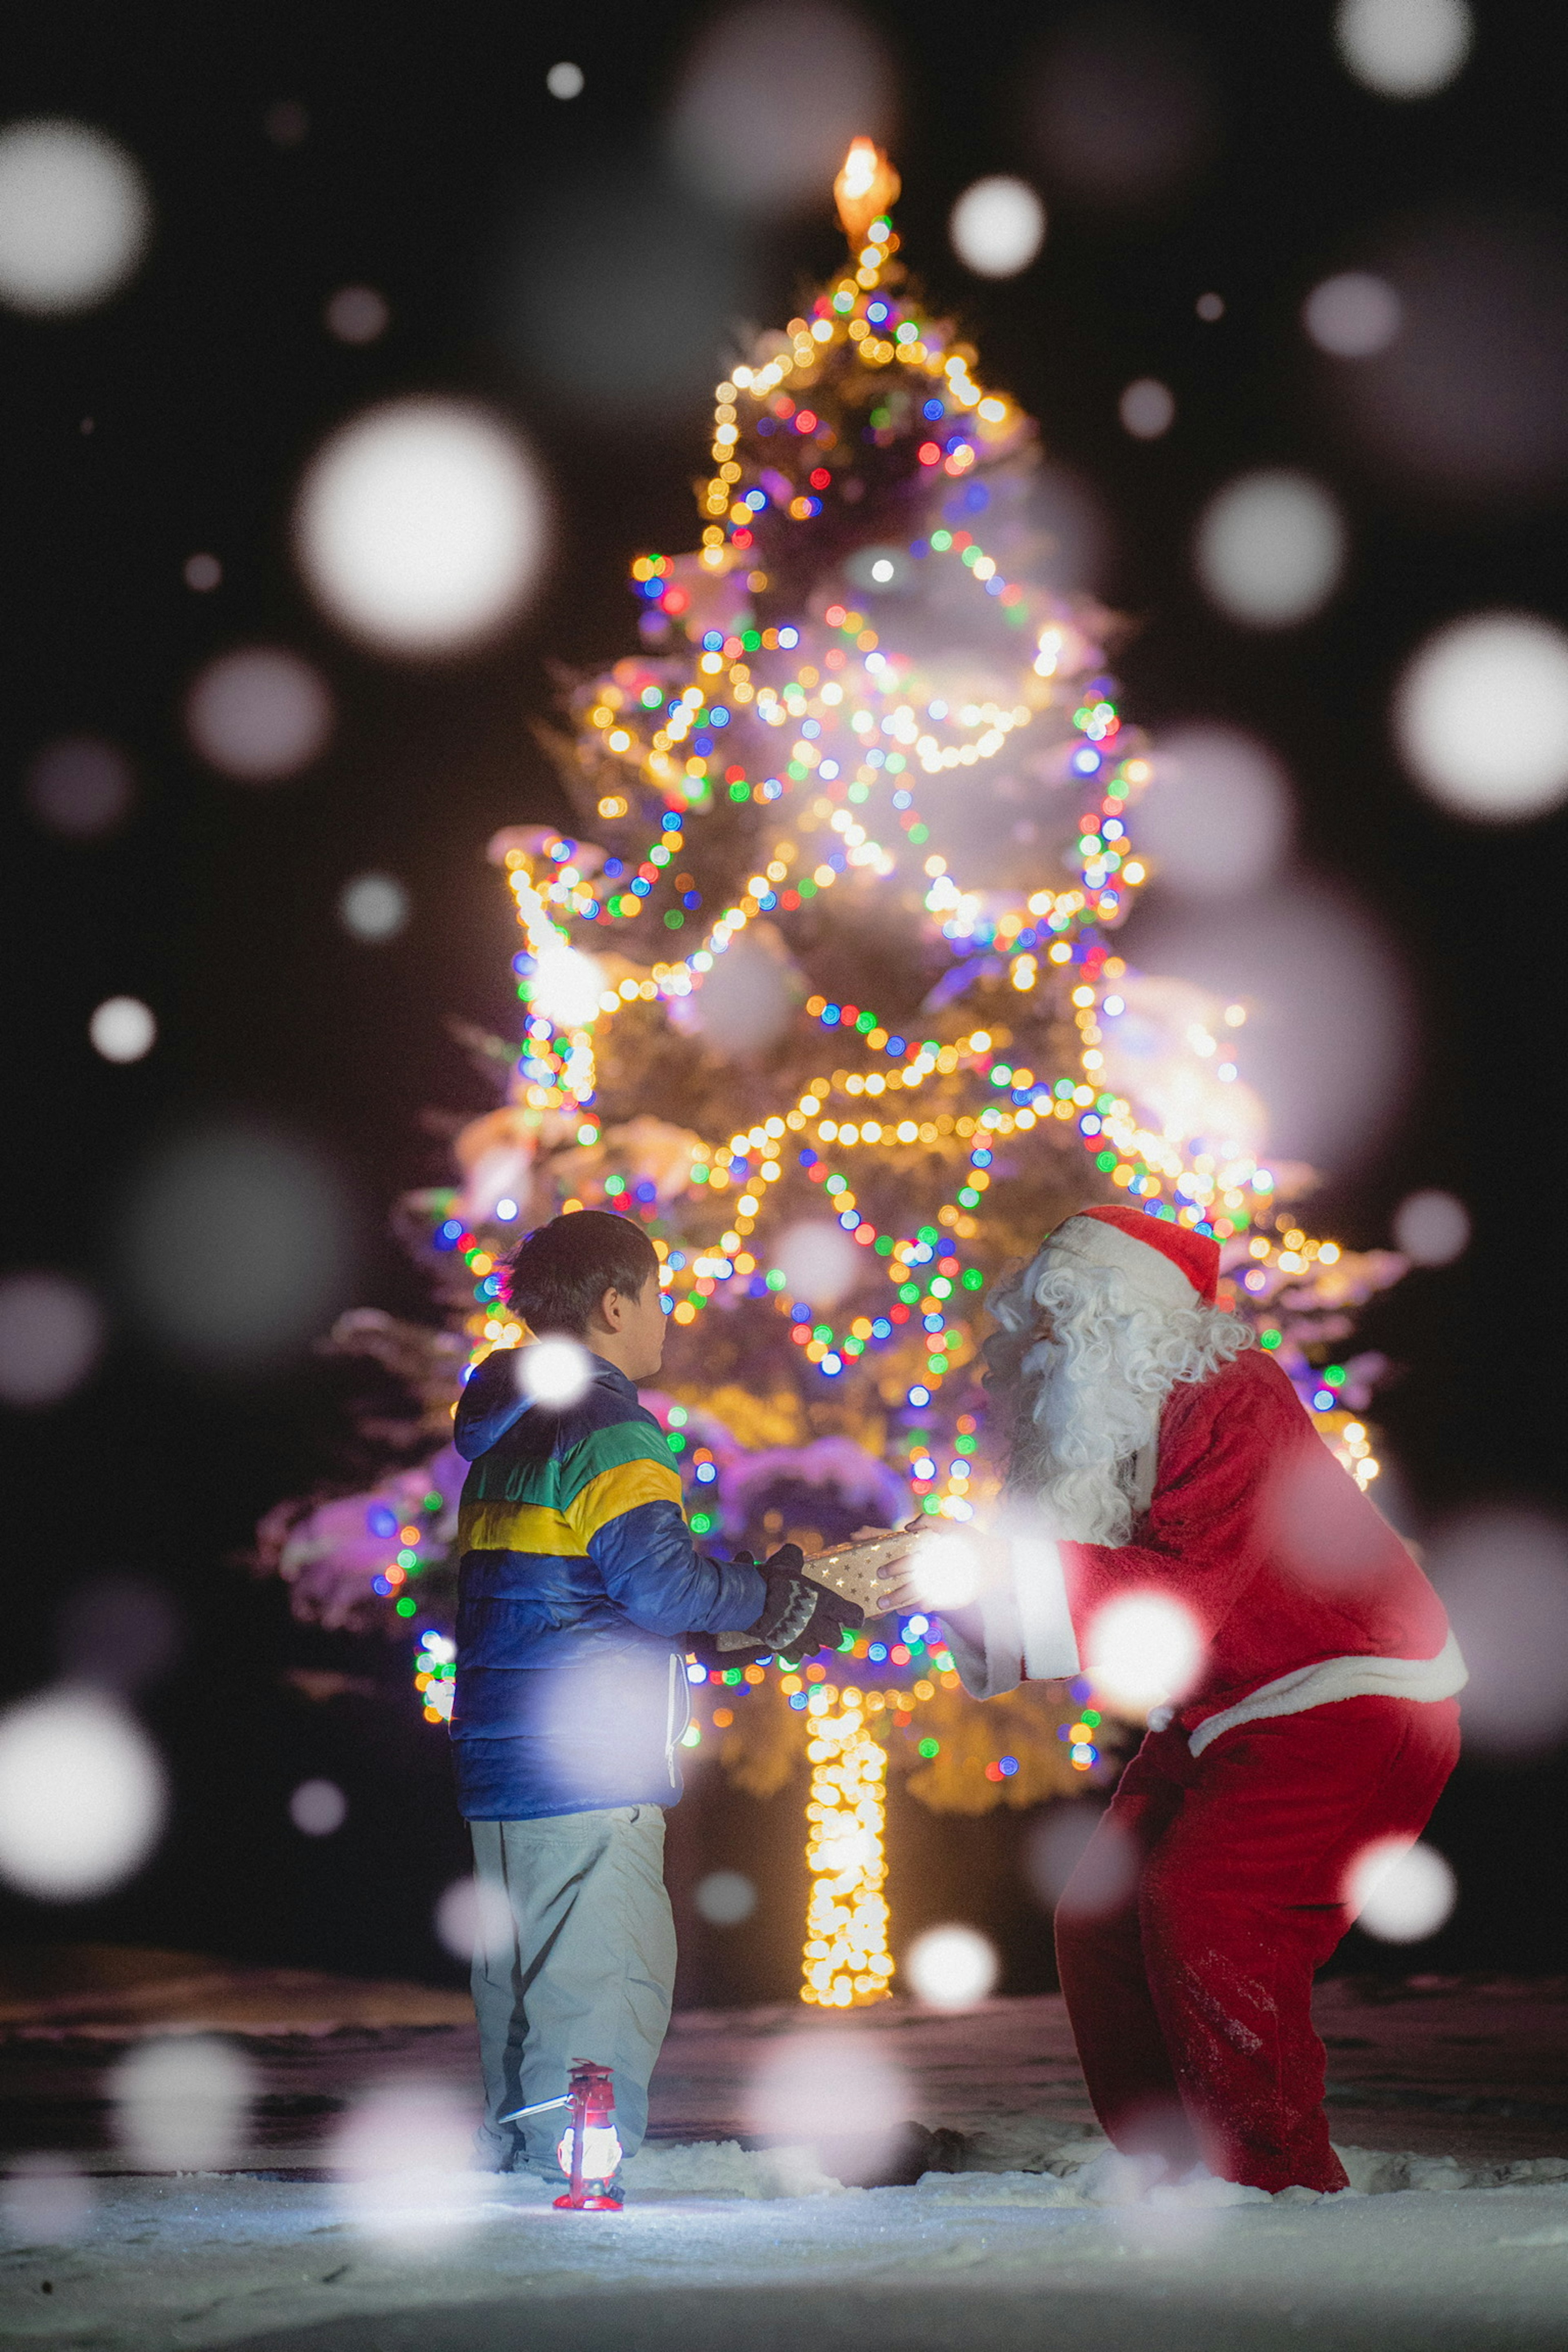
(577, 1584)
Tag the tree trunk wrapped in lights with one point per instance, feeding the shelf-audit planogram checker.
(821, 986)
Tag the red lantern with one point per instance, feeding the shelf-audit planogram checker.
(590, 2148)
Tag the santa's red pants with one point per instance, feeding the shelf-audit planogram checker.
(1187, 1936)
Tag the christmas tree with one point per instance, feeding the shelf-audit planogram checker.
(822, 987)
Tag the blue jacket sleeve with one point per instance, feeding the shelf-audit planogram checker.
(489, 1406)
(654, 1572)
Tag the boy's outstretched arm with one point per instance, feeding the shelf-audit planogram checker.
(625, 1505)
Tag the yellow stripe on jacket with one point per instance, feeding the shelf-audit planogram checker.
(622, 1488)
(503, 1526)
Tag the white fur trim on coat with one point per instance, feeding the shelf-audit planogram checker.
(1336, 1678)
(1028, 1630)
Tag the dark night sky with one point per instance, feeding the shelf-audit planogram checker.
(432, 154)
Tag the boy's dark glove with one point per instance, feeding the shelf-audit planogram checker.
(800, 1616)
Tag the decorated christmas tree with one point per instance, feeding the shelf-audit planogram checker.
(821, 985)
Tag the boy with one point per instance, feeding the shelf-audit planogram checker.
(577, 1588)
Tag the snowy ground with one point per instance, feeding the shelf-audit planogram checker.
(1454, 2238)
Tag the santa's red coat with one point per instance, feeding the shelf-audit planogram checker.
(1257, 1530)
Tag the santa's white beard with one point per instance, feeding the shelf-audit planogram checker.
(1087, 1399)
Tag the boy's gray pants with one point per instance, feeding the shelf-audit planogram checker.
(586, 1968)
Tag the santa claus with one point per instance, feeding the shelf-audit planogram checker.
(1158, 1456)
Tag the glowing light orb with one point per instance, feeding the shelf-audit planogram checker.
(1432, 1228)
(818, 1262)
(724, 1897)
(318, 1808)
(1147, 409)
(182, 2102)
(1400, 1891)
(199, 1292)
(122, 1029)
(259, 714)
(1269, 549)
(947, 1572)
(554, 1372)
(373, 906)
(80, 787)
(951, 1968)
(1219, 816)
(474, 1916)
(826, 79)
(998, 227)
(75, 218)
(565, 80)
(1404, 48)
(1481, 717)
(1353, 316)
(421, 526)
(1144, 1650)
(566, 986)
(83, 1795)
(51, 1334)
(357, 314)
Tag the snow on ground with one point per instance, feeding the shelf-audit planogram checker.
(1454, 2237)
(705, 2257)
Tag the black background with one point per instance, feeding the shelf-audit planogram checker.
(431, 141)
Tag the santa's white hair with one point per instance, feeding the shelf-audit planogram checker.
(1085, 1357)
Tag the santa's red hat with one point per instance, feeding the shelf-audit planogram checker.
(1168, 1262)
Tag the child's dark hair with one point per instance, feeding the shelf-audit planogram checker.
(558, 1272)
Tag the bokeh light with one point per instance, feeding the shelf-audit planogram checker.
(474, 1916)
(83, 1795)
(1317, 1522)
(357, 314)
(1145, 1650)
(1066, 1876)
(75, 218)
(567, 986)
(1218, 817)
(1147, 408)
(404, 2162)
(951, 1968)
(1481, 717)
(724, 1897)
(1502, 1576)
(1120, 107)
(46, 2202)
(1353, 315)
(1431, 1228)
(51, 1335)
(818, 1262)
(1404, 48)
(771, 96)
(830, 2086)
(948, 1572)
(318, 1808)
(997, 225)
(748, 999)
(421, 526)
(236, 1246)
(1401, 1892)
(202, 574)
(1270, 547)
(1467, 403)
(182, 2102)
(565, 80)
(81, 787)
(259, 714)
(1328, 1044)
(554, 1372)
(119, 1632)
(373, 906)
(122, 1029)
